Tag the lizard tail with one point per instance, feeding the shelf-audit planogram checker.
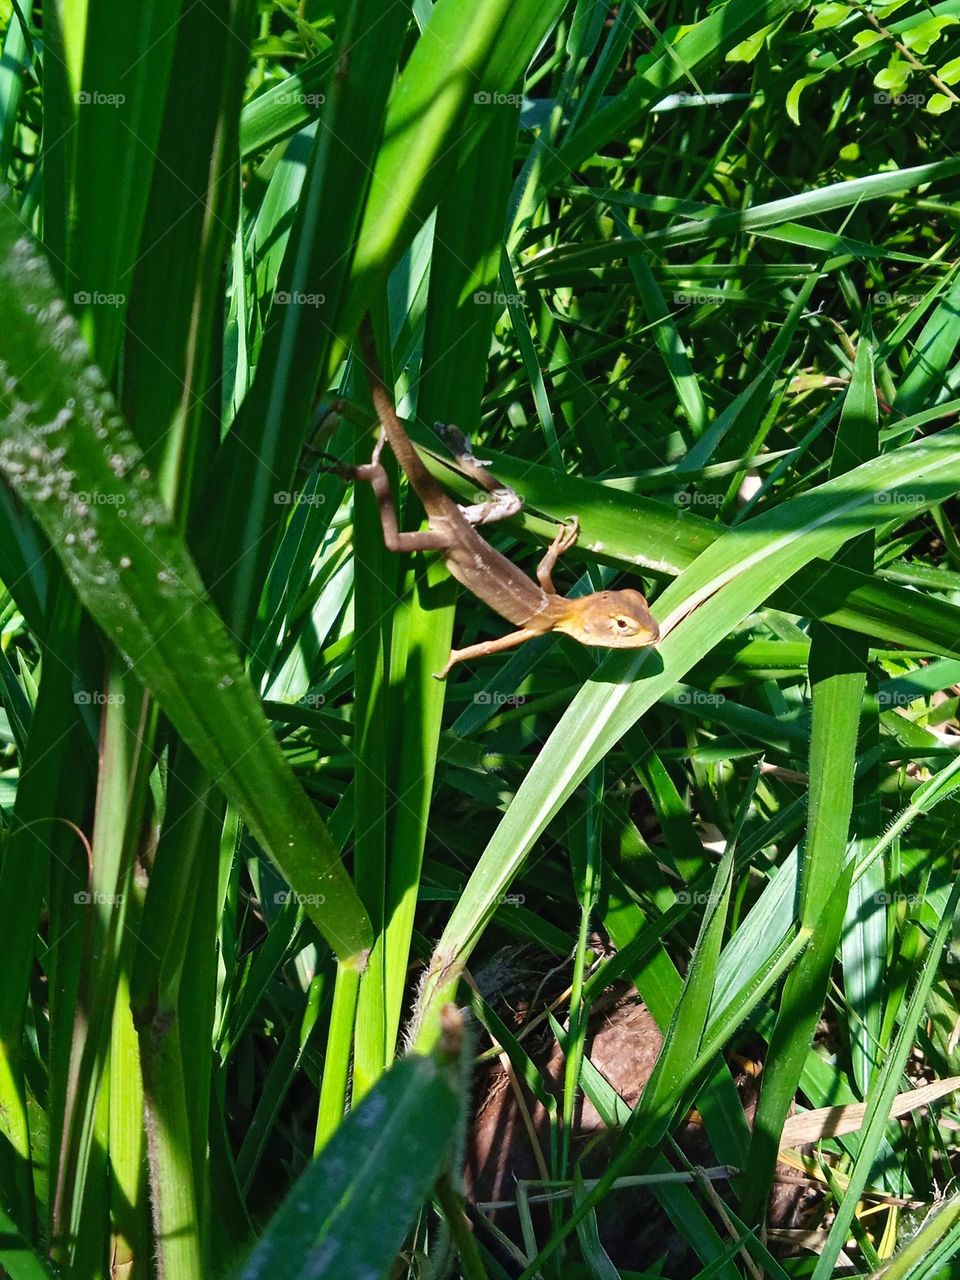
(426, 487)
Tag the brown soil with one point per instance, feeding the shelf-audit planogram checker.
(623, 1044)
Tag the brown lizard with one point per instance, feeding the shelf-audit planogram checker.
(607, 619)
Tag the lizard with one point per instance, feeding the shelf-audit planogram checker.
(617, 619)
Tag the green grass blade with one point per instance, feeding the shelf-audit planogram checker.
(349, 1213)
(14, 64)
(673, 537)
(136, 577)
(16, 1257)
(285, 108)
(119, 57)
(673, 65)
(464, 262)
(837, 677)
(886, 1085)
(462, 58)
(239, 516)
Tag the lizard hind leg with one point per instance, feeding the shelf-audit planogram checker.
(567, 535)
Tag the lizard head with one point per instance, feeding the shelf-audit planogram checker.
(610, 620)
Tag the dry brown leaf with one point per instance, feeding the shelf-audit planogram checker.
(831, 1122)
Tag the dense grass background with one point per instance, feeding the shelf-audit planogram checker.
(687, 272)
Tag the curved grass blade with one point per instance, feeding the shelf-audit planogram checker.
(722, 587)
(610, 518)
(726, 222)
(66, 451)
(285, 108)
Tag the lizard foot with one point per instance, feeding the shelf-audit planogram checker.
(566, 536)
(336, 466)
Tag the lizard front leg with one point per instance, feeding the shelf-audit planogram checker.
(564, 540)
(485, 648)
(503, 502)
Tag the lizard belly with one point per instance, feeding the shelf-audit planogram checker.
(501, 584)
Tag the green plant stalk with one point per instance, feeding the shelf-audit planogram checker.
(23, 871)
(128, 725)
(196, 1011)
(375, 571)
(464, 260)
(179, 895)
(588, 892)
(336, 1063)
(176, 1225)
(130, 1245)
(421, 644)
(451, 1205)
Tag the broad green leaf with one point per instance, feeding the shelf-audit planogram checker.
(924, 35)
(748, 49)
(894, 75)
(826, 16)
(792, 101)
(938, 104)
